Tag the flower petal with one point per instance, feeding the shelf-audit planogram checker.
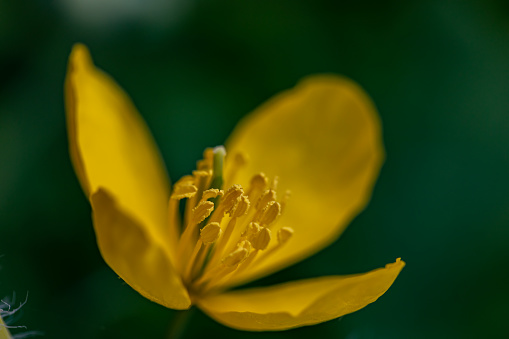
(111, 147)
(323, 140)
(299, 303)
(135, 255)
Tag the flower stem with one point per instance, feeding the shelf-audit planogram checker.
(179, 323)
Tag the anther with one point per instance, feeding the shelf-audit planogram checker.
(233, 192)
(223, 241)
(259, 181)
(230, 199)
(246, 244)
(242, 207)
(240, 159)
(211, 193)
(207, 161)
(210, 233)
(261, 239)
(267, 196)
(181, 191)
(236, 257)
(201, 179)
(201, 173)
(202, 211)
(284, 234)
(257, 185)
(251, 229)
(270, 213)
(186, 179)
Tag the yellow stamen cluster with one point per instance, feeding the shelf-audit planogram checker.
(224, 232)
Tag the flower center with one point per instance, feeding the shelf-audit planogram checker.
(224, 232)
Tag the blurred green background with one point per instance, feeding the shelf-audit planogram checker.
(438, 72)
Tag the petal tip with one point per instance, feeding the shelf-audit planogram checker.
(80, 55)
(398, 264)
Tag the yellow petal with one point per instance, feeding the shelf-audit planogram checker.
(111, 147)
(135, 255)
(323, 140)
(299, 303)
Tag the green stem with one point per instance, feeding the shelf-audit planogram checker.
(179, 323)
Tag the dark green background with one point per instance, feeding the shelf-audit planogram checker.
(438, 72)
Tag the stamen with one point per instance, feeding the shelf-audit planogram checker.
(210, 233)
(207, 162)
(230, 264)
(236, 257)
(198, 174)
(205, 281)
(221, 244)
(181, 191)
(190, 235)
(212, 194)
(261, 239)
(251, 229)
(190, 266)
(256, 186)
(242, 207)
(227, 203)
(284, 234)
(246, 244)
(231, 198)
(201, 181)
(226, 232)
(270, 213)
(202, 211)
(240, 159)
(267, 196)
(186, 179)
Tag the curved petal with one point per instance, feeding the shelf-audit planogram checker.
(111, 146)
(139, 259)
(299, 303)
(323, 140)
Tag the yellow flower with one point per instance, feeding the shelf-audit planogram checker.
(298, 170)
